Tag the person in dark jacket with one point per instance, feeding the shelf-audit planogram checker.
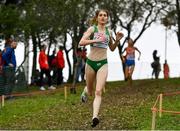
(1, 62)
(52, 64)
(156, 65)
(9, 67)
(8, 42)
(8, 55)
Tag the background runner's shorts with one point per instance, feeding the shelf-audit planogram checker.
(130, 62)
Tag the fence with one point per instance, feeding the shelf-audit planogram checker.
(155, 109)
(11, 81)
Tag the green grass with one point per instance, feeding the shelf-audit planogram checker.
(123, 107)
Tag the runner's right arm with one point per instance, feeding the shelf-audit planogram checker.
(85, 39)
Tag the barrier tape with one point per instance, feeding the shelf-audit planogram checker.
(32, 93)
(172, 93)
(156, 101)
(167, 111)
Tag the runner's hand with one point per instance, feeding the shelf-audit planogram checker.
(101, 38)
(119, 35)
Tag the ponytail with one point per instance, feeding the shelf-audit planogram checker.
(93, 21)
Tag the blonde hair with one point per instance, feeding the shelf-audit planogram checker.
(93, 21)
(132, 41)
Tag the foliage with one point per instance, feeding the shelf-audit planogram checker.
(171, 18)
(9, 19)
(51, 21)
(133, 17)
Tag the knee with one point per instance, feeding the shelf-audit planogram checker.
(89, 92)
(98, 92)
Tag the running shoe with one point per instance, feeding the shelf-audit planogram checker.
(95, 122)
(42, 88)
(51, 88)
(84, 97)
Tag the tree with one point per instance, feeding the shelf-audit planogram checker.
(52, 21)
(42, 23)
(134, 17)
(171, 19)
(9, 19)
(76, 20)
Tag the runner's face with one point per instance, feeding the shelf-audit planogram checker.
(102, 17)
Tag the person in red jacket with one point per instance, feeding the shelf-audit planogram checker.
(166, 70)
(44, 66)
(60, 65)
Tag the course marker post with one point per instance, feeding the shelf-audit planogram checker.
(2, 100)
(153, 119)
(65, 92)
(160, 105)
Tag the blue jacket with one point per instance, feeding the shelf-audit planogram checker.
(8, 57)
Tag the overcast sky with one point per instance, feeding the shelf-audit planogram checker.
(154, 38)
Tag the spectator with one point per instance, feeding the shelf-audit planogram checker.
(77, 70)
(1, 62)
(84, 53)
(166, 70)
(155, 65)
(8, 42)
(44, 66)
(52, 64)
(60, 65)
(35, 80)
(78, 64)
(9, 66)
(1, 75)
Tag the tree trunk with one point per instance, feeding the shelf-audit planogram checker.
(35, 53)
(122, 63)
(69, 65)
(26, 60)
(67, 58)
(178, 15)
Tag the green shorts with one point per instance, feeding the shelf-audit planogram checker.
(96, 65)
